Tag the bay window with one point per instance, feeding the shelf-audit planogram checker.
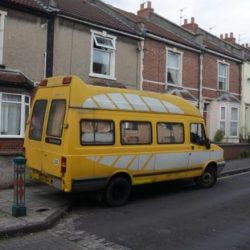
(223, 119)
(14, 110)
(234, 122)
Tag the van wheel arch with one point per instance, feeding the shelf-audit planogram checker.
(118, 190)
(208, 177)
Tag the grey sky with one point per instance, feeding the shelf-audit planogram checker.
(219, 15)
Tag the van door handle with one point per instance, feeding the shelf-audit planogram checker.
(192, 147)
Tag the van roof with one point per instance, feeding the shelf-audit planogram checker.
(87, 96)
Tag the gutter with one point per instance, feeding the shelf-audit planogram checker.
(223, 55)
(100, 26)
(173, 43)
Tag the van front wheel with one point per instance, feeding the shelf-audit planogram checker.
(117, 192)
(207, 179)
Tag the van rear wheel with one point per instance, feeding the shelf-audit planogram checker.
(117, 192)
(207, 179)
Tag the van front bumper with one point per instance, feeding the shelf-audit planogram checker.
(220, 166)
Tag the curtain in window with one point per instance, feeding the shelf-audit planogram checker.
(10, 118)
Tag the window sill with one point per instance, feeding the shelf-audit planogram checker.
(174, 85)
(11, 137)
(102, 76)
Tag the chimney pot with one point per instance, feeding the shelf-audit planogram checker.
(185, 21)
(226, 35)
(221, 36)
(231, 34)
(149, 5)
(192, 20)
(142, 6)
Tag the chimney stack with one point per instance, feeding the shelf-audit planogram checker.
(145, 11)
(190, 26)
(228, 38)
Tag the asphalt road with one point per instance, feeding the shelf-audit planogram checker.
(166, 216)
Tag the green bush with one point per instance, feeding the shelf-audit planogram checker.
(219, 135)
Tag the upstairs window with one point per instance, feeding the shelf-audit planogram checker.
(2, 18)
(174, 67)
(103, 55)
(223, 76)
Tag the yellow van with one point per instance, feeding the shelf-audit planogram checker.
(81, 137)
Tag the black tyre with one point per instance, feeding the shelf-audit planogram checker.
(207, 179)
(117, 192)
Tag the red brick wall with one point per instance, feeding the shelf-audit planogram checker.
(235, 151)
(210, 76)
(154, 61)
(234, 78)
(190, 75)
(155, 66)
(8, 146)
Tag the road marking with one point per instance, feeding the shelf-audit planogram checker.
(233, 175)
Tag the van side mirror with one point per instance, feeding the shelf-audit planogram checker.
(207, 143)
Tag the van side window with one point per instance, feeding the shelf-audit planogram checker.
(197, 134)
(170, 133)
(97, 132)
(37, 118)
(136, 133)
(56, 118)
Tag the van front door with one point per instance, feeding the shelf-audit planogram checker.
(199, 154)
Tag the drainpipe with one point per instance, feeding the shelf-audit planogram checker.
(50, 46)
(200, 106)
(141, 64)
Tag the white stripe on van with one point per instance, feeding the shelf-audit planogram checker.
(136, 102)
(154, 104)
(120, 101)
(104, 102)
(172, 108)
(157, 161)
(197, 158)
(134, 164)
(217, 155)
(126, 101)
(124, 161)
(108, 160)
(89, 103)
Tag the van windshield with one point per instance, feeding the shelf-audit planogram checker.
(36, 124)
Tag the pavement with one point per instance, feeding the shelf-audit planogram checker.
(46, 205)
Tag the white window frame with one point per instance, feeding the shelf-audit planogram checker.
(236, 121)
(179, 68)
(218, 76)
(2, 19)
(224, 120)
(23, 108)
(112, 50)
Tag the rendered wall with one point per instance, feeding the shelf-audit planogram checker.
(72, 54)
